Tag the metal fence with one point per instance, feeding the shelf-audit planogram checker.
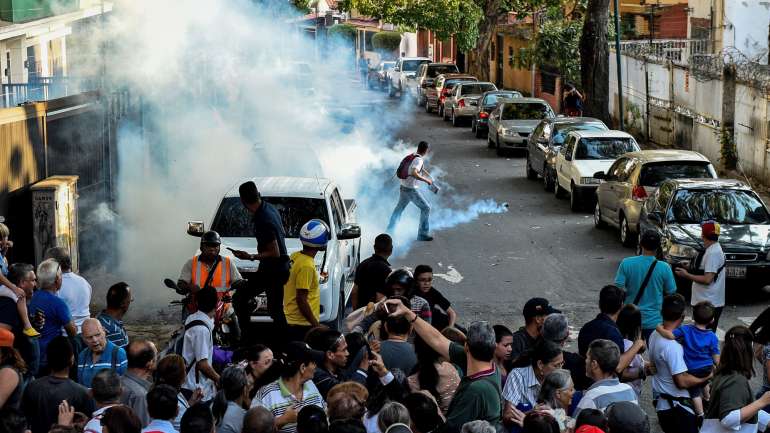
(678, 51)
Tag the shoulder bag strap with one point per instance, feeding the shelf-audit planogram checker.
(645, 282)
(211, 271)
(115, 356)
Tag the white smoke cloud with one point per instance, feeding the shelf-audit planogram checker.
(218, 107)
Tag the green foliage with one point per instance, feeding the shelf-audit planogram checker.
(345, 32)
(444, 17)
(301, 5)
(557, 46)
(386, 41)
(729, 153)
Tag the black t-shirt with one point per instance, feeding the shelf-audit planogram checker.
(42, 397)
(268, 227)
(9, 315)
(576, 365)
(370, 278)
(435, 298)
(522, 343)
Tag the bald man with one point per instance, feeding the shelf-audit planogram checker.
(99, 355)
(258, 420)
(142, 356)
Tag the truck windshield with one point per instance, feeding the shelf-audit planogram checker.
(234, 221)
(411, 65)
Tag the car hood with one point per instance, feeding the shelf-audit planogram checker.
(520, 124)
(587, 167)
(733, 237)
(250, 245)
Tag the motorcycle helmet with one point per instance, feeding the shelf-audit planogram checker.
(399, 277)
(315, 233)
(211, 238)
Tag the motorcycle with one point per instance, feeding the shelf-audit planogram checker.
(226, 331)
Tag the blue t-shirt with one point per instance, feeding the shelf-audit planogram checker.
(630, 276)
(87, 368)
(56, 316)
(699, 346)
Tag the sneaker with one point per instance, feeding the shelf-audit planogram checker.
(424, 238)
(31, 332)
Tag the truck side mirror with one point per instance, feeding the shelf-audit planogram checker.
(349, 231)
(600, 175)
(195, 228)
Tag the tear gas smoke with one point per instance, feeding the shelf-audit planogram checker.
(223, 98)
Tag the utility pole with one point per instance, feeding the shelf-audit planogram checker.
(617, 57)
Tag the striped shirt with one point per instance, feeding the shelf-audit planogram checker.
(87, 368)
(276, 398)
(114, 329)
(605, 392)
(521, 387)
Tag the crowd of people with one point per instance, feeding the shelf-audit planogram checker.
(405, 362)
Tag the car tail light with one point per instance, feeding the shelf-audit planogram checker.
(461, 103)
(638, 193)
(483, 115)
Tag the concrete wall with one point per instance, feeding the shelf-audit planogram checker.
(667, 106)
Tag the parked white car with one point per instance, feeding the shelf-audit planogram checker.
(298, 200)
(404, 75)
(583, 154)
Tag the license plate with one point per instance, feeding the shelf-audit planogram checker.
(735, 271)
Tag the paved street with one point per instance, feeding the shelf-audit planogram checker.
(489, 267)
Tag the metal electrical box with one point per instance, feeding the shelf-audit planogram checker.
(55, 216)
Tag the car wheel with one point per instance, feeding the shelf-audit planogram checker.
(427, 107)
(490, 144)
(598, 221)
(574, 203)
(531, 174)
(479, 132)
(444, 114)
(473, 126)
(339, 321)
(455, 120)
(627, 238)
(558, 191)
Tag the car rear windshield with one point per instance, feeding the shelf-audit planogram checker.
(476, 89)
(653, 174)
(411, 65)
(560, 134)
(234, 221)
(494, 97)
(603, 148)
(525, 111)
(726, 206)
(435, 71)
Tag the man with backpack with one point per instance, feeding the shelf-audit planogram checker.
(646, 281)
(410, 172)
(198, 346)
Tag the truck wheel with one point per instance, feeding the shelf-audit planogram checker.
(391, 90)
(427, 107)
(339, 322)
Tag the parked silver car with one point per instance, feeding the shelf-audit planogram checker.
(636, 176)
(464, 101)
(547, 139)
(511, 123)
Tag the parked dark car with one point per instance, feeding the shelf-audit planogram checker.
(434, 96)
(679, 206)
(378, 76)
(547, 139)
(426, 77)
(487, 103)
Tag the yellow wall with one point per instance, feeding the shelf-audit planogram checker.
(514, 77)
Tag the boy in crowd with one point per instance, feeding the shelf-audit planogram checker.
(442, 313)
(701, 349)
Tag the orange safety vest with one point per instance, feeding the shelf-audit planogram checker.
(222, 278)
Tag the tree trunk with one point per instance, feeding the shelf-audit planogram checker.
(594, 60)
(478, 58)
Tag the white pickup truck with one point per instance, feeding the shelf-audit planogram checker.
(298, 200)
(403, 77)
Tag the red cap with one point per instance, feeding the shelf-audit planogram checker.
(710, 228)
(588, 429)
(6, 338)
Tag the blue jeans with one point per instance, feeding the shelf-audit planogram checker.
(406, 196)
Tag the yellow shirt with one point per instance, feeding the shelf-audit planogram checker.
(301, 276)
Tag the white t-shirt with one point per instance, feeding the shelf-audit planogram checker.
(668, 357)
(713, 259)
(411, 182)
(76, 293)
(199, 345)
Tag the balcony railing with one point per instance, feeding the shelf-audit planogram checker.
(43, 89)
(677, 51)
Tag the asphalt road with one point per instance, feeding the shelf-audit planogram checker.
(490, 267)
